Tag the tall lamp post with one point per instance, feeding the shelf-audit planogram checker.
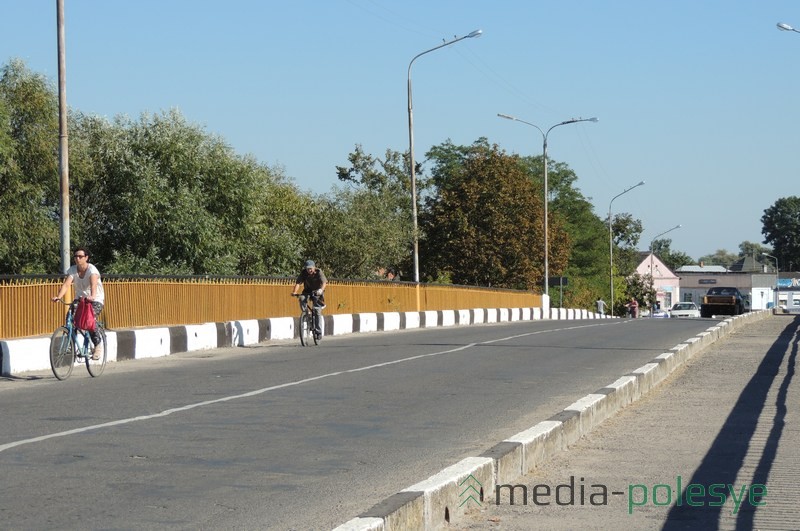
(777, 278)
(611, 244)
(63, 140)
(786, 27)
(476, 33)
(546, 201)
(652, 275)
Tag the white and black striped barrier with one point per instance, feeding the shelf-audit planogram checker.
(32, 354)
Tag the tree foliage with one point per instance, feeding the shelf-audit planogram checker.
(587, 268)
(640, 287)
(153, 195)
(483, 223)
(365, 225)
(672, 259)
(747, 248)
(781, 229)
(28, 172)
(720, 257)
(160, 195)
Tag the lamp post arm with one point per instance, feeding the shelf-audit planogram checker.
(657, 236)
(611, 241)
(652, 273)
(476, 33)
(415, 235)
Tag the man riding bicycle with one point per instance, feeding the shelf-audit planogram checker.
(312, 282)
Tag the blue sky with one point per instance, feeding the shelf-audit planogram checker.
(699, 98)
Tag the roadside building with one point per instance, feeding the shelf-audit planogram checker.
(756, 281)
(789, 291)
(665, 282)
(750, 277)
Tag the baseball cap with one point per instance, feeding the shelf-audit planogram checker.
(310, 263)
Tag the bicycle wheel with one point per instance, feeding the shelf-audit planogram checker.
(95, 367)
(303, 329)
(62, 353)
(317, 338)
(309, 328)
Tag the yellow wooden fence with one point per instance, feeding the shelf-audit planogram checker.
(26, 308)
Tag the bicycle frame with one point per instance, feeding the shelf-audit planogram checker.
(66, 348)
(308, 319)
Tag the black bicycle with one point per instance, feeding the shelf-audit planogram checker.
(308, 319)
(69, 344)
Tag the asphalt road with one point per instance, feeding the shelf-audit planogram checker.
(283, 437)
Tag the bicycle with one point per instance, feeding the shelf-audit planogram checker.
(66, 348)
(308, 319)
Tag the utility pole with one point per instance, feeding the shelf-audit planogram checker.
(63, 147)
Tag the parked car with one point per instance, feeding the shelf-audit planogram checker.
(722, 300)
(684, 309)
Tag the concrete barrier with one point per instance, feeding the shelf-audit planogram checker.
(32, 354)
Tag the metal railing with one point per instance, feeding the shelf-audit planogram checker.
(141, 301)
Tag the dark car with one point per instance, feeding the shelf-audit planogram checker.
(722, 301)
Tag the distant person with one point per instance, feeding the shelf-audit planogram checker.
(392, 274)
(633, 308)
(601, 306)
(311, 283)
(86, 278)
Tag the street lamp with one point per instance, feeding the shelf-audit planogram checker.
(652, 276)
(476, 33)
(786, 27)
(611, 244)
(777, 278)
(544, 156)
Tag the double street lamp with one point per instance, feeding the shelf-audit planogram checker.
(611, 245)
(777, 278)
(476, 33)
(652, 274)
(546, 200)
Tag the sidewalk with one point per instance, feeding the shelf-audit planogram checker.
(728, 420)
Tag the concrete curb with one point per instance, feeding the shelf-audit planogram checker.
(435, 504)
(32, 354)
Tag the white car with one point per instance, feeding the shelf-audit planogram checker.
(684, 309)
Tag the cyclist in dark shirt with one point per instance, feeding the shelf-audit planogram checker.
(311, 282)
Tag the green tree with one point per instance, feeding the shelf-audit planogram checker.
(587, 268)
(160, 195)
(721, 257)
(625, 234)
(781, 229)
(357, 232)
(640, 288)
(747, 248)
(672, 259)
(483, 222)
(29, 180)
(365, 224)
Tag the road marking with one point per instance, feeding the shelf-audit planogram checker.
(256, 392)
